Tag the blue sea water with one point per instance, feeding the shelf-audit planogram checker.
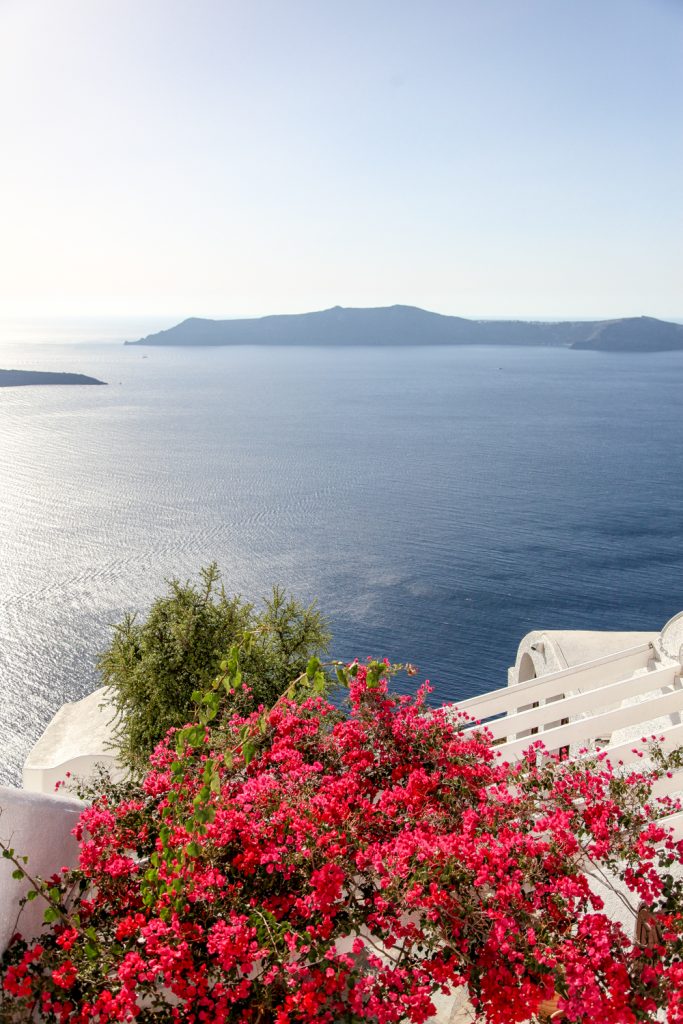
(438, 502)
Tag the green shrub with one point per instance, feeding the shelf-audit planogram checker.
(151, 668)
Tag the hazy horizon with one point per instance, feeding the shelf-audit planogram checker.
(223, 159)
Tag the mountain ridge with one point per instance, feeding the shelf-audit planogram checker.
(413, 326)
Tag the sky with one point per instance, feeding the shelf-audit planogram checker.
(485, 158)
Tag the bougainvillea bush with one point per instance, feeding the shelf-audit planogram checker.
(311, 864)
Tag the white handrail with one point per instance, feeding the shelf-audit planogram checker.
(668, 784)
(591, 674)
(625, 753)
(590, 700)
(586, 729)
(674, 822)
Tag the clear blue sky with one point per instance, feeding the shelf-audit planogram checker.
(210, 157)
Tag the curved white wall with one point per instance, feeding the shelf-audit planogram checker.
(77, 739)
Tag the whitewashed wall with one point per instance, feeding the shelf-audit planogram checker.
(38, 827)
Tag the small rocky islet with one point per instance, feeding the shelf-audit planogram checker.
(21, 378)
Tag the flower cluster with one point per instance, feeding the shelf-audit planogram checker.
(309, 865)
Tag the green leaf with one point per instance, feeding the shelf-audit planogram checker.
(193, 850)
(319, 683)
(195, 735)
(50, 915)
(31, 895)
(312, 667)
(18, 874)
(205, 815)
(248, 751)
(374, 674)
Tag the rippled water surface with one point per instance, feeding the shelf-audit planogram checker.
(439, 502)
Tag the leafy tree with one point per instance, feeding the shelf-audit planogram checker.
(152, 667)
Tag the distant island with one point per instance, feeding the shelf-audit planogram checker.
(21, 378)
(408, 325)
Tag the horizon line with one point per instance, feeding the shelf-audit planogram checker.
(179, 317)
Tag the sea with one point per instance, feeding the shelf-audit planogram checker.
(438, 503)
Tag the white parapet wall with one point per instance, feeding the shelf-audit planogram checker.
(38, 827)
(76, 741)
